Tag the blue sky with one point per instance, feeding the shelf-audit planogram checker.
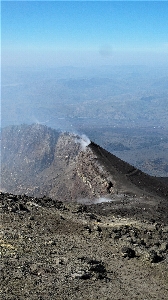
(55, 33)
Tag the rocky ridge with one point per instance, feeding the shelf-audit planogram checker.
(39, 161)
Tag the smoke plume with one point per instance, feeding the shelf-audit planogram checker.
(83, 140)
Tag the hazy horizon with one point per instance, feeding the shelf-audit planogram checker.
(70, 33)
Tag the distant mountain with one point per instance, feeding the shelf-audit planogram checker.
(38, 161)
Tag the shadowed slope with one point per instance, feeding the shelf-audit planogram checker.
(127, 174)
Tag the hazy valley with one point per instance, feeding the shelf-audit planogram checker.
(123, 109)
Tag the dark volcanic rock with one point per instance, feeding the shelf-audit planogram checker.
(154, 257)
(127, 252)
(124, 172)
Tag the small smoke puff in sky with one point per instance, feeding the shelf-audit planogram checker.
(106, 51)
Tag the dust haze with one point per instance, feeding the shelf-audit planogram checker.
(122, 108)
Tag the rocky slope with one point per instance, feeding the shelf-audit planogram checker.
(55, 250)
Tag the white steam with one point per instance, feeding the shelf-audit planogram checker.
(36, 121)
(102, 200)
(83, 140)
(94, 201)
